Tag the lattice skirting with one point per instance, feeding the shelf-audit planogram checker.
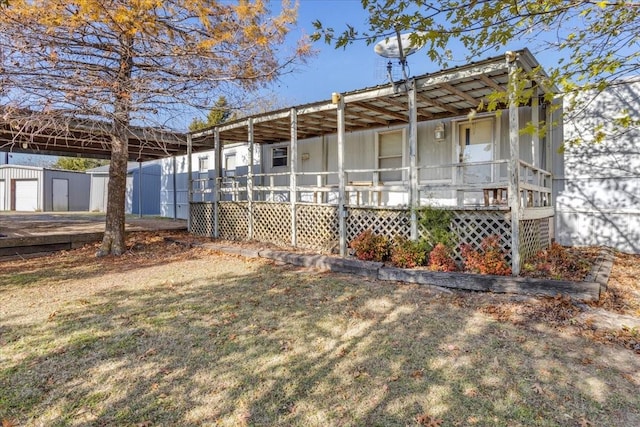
(201, 217)
(386, 222)
(472, 227)
(233, 220)
(272, 223)
(317, 227)
(534, 236)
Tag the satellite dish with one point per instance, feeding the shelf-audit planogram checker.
(397, 47)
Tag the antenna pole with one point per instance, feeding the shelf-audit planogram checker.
(403, 59)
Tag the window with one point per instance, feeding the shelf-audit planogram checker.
(203, 164)
(230, 165)
(279, 156)
(390, 155)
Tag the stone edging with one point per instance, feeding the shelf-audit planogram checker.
(588, 290)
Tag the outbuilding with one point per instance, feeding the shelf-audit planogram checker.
(30, 188)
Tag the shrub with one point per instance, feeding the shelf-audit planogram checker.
(409, 254)
(558, 263)
(370, 247)
(437, 224)
(440, 259)
(490, 259)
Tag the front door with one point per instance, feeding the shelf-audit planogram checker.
(60, 195)
(476, 145)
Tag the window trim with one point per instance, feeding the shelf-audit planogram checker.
(284, 157)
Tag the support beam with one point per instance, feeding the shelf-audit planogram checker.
(395, 114)
(535, 120)
(514, 164)
(342, 210)
(493, 85)
(250, 177)
(441, 105)
(139, 189)
(217, 182)
(413, 159)
(189, 181)
(461, 94)
(175, 189)
(293, 171)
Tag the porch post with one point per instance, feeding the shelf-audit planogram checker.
(293, 171)
(535, 120)
(175, 189)
(216, 182)
(342, 209)
(250, 179)
(189, 181)
(413, 163)
(514, 164)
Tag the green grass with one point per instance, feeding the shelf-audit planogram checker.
(214, 340)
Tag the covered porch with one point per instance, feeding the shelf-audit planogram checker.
(320, 174)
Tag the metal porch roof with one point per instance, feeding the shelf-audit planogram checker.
(448, 93)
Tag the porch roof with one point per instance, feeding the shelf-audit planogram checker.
(448, 93)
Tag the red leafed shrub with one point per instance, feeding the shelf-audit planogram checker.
(440, 259)
(370, 247)
(557, 262)
(490, 259)
(409, 254)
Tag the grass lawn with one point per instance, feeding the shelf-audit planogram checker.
(168, 335)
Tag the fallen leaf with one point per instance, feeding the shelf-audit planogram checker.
(583, 422)
(427, 420)
(417, 374)
(150, 352)
(537, 388)
(8, 423)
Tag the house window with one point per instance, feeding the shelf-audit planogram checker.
(279, 156)
(203, 164)
(230, 165)
(390, 155)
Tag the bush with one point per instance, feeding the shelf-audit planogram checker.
(437, 223)
(370, 247)
(558, 263)
(490, 259)
(440, 259)
(409, 254)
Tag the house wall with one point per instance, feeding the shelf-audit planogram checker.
(79, 184)
(144, 189)
(8, 173)
(598, 189)
(174, 200)
(98, 196)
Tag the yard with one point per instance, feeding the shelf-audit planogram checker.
(171, 335)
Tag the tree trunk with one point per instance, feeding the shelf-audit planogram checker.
(113, 241)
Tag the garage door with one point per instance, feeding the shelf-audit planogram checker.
(25, 196)
(2, 196)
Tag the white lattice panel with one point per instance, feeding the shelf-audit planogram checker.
(317, 227)
(472, 227)
(534, 236)
(201, 218)
(385, 222)
(272, 222)
(233, 220)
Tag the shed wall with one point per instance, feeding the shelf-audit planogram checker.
(78, 190)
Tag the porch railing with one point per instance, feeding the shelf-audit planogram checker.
(477, 184)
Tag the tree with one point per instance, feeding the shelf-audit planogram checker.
(119, 63)
(78, 163)
(220, 113)
(598, 40)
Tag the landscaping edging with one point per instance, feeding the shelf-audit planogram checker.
(587, 290)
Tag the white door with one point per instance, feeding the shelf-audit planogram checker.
(2, 195)
(26, 195)
(60, 193)
(476, 145)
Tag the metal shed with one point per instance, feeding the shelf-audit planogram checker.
(29, 188)
(143, 188)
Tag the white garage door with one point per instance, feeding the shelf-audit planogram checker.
(2, 196)
(26, 196)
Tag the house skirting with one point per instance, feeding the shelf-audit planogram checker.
(317, 227)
